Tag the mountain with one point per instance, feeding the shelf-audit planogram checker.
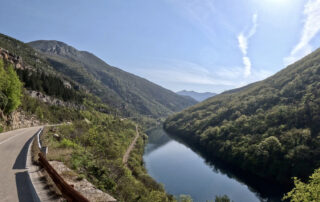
(197, 96)
(269, 128)
(131, 94)
(32, 93)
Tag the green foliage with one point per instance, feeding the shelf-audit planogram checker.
(269, 128)
(10, 88)
(65, 143)
(49, 84)
(305, 192)
(223, 198)
(48, 113)
(185, 198)
(3, 101)
(94, 148)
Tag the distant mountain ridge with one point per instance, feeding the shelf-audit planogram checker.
(197, 96)
(120, 89)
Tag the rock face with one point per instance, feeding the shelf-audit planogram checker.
(19, 119)
(13, 59)
(53, 101)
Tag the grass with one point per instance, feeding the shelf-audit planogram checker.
(94, 151)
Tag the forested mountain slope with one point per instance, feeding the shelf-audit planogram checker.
(115, 87)
(269, 128)
(94, 144)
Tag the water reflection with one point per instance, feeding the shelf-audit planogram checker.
(184, 171)
(156, 139)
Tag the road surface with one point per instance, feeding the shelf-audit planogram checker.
(14, 184)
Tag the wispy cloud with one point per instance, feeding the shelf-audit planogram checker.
(247, 66)
(204, 15)
(310, 29)
(176, 74)
(180, 71)
(243, 45)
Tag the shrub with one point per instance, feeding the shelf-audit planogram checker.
(305, 192)
(10, 89)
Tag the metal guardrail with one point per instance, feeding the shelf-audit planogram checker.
(68, 192)
(38, 137)
(44, 150)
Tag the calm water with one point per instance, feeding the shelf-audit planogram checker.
(183, 171)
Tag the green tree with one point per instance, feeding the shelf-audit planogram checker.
(185, 198)
(305, 192)
(13, 90)
(10, 88)
(223, 198)
(3, 84)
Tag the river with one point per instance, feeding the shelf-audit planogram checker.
(184, 171)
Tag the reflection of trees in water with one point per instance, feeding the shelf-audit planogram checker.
(156, 139)
(266, 191)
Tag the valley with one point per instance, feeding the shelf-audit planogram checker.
(245, 144)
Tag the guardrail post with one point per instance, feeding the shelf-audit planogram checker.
(44, 151)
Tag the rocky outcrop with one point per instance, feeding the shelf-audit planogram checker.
(20, 119)
(53, 101)
(13, 59)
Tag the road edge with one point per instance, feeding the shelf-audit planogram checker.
(30, 165)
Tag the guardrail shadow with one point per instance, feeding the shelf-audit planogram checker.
(23, 187)
(21, 160)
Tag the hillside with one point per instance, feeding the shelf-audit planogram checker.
(115, 87)
(269, 128)
(94, 144)
(197, 96)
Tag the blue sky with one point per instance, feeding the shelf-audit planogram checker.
(201, 45)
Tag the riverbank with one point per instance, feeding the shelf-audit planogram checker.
(183, 169)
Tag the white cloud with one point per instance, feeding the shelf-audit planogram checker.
(254, 25)
(243, 45)
(310, 29)
(247, 66)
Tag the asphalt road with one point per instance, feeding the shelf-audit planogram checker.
(13, 173)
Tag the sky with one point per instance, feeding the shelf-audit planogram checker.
(200, 45)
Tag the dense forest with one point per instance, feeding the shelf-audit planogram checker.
(49, 84)
(269, 128)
